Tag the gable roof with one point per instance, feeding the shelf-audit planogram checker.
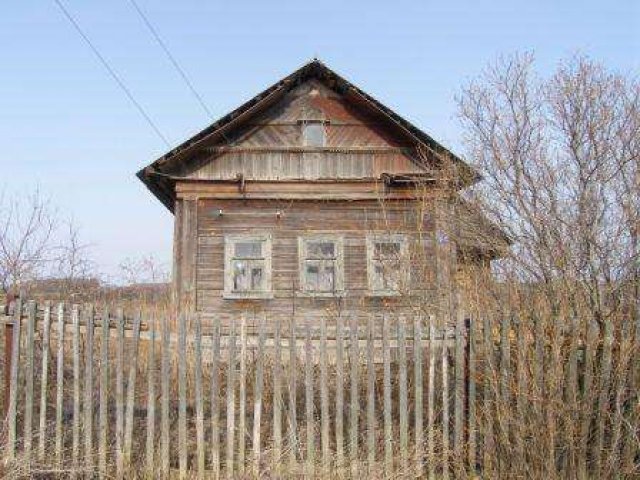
(159, 181)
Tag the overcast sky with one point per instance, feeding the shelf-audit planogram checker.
(67, 128)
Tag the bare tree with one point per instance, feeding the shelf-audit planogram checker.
(143, 269)
(560, 159)
(27, 225)
(36, 244)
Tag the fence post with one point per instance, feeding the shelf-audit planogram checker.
(44, 383)
(14, 349)
(28, 376)
(8, 350)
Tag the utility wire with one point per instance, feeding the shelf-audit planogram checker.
(112, 72)
(173, 60)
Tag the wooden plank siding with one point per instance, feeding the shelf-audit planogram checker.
(260, 178)
(270, 146)
(351, 221)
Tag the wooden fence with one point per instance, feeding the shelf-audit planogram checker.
(95, 393)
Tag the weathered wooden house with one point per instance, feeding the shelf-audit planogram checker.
(309, 198)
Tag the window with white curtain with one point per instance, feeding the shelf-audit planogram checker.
(321, 265)
(387, 264)
(247, 266)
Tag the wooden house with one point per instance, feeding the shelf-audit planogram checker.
(311, 197)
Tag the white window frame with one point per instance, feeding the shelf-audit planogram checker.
(338, 269)
(229, 244)
(403, 240)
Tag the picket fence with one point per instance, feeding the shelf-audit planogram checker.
(391, 398)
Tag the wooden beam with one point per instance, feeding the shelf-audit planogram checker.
(296, 190)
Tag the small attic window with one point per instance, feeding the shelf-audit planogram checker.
(313, 134)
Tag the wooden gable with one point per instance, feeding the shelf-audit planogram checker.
(260, 140)
(270, 146)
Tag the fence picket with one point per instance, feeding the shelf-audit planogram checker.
(472, 415)
(242, 396)
(14, 378)
(618, 387)
(198, 398)
(308, 400)
(104, 394)
(418, 394)
(371, 407)
(215, 400)
(131, 389)
(445, 405)
(488, 396)
(164, 414)
(431, 398)
(293, 407)
(59, 386)
(182, 395)
(75, 440)
(28, 389)
(459, 379)
(586, 397)
(402, 395)
(120, 394)
(231, 403)
(505, 367)
(151, 397)
(521, 393)
(88, 387)
(603, 397)
(277, 397)
(388, 430)
(630, 448)
(44, 382)
(324, 396)
(339, 420)
(257, 393)
(354, 408)
(571, 381)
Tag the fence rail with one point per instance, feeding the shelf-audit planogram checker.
(395, 397)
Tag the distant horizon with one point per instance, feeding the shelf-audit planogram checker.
(68, 129)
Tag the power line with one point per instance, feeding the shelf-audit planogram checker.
(112, 72)
(173, 60)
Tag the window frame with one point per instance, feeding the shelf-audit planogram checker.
(338, 242)
(403, 240)
(229, 244)
(322, 124)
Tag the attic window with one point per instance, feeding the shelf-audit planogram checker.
(313, 134)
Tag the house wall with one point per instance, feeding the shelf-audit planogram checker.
(263, 167)
(199, 259)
